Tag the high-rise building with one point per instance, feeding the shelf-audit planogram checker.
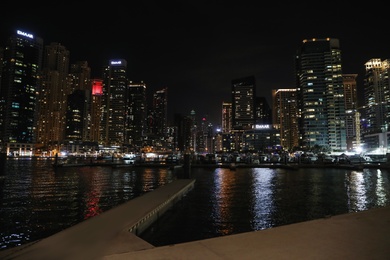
(114, 103)
(263, 111)
(243, 109)
(322, 105)
(226, 117)
(352, 116)
(377, 95)
(96, 109)
(53, 97)
(285, 116)
(136, 115)
(376, 113)
(157, 122)
(80, 80)
(243, 103)
(19, 90)
(160, 112)
(77, 106)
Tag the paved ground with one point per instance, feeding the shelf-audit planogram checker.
(361, 235)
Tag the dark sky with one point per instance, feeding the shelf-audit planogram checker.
(196, 48)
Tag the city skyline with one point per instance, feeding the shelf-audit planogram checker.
(197, 50)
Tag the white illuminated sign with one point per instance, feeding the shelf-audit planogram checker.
(29, 35)
(116, 62)
(262, 126)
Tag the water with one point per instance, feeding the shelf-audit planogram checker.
(226, 202)
(37, 202)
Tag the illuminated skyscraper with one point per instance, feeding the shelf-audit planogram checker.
(136, 115)
(78, 114)
(377, 95)
(226, 117)
(114, 103)
(96, 109)
(243, 103)
(53, 96)
(352, 116)
(157, 122)
(322, 104)
(19, 88)
(285, 116)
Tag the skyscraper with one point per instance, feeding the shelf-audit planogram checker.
(80, 81)
(243, 103)
(377, 95)
(96, 109)
(322, 105)
(114, 103)
(136, 115)
(226, 117)
(285, 116)
(53, 96)
(19, 90)
(352, 116)
(243, 109)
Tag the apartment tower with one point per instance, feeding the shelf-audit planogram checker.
(114, 103)
(321, 93)
(19, 90)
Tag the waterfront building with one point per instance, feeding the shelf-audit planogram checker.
(20, 87)
(158, 119)
(263, 111)
(377, 95)
(321, 93)
(96, 110)
(55, 88)
(78, 118)
(226, 117)
(285, 116)
(243, 108)
(261, 139)
(184, 124)
(114, 103)
(352, 116)
(243, 103)
(136, 115)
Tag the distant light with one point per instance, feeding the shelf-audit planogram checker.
(116, 62)
(29, 35)
(204, 119)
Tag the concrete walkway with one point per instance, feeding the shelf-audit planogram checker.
(361, 235)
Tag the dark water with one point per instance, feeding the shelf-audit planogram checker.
(36, 201)
(226, 202)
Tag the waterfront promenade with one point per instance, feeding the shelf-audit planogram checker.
(112, 236)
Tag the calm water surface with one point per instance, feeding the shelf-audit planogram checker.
(36, 201)
(226, 202)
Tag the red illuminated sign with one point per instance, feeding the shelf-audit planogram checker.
(97, 87)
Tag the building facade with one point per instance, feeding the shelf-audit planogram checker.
(114, 103)
(285, 116)
(19, 91)
(321, 93)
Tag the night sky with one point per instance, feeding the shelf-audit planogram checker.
(196, 48)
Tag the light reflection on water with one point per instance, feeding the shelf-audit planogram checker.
(37, 202)
(226, 202)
